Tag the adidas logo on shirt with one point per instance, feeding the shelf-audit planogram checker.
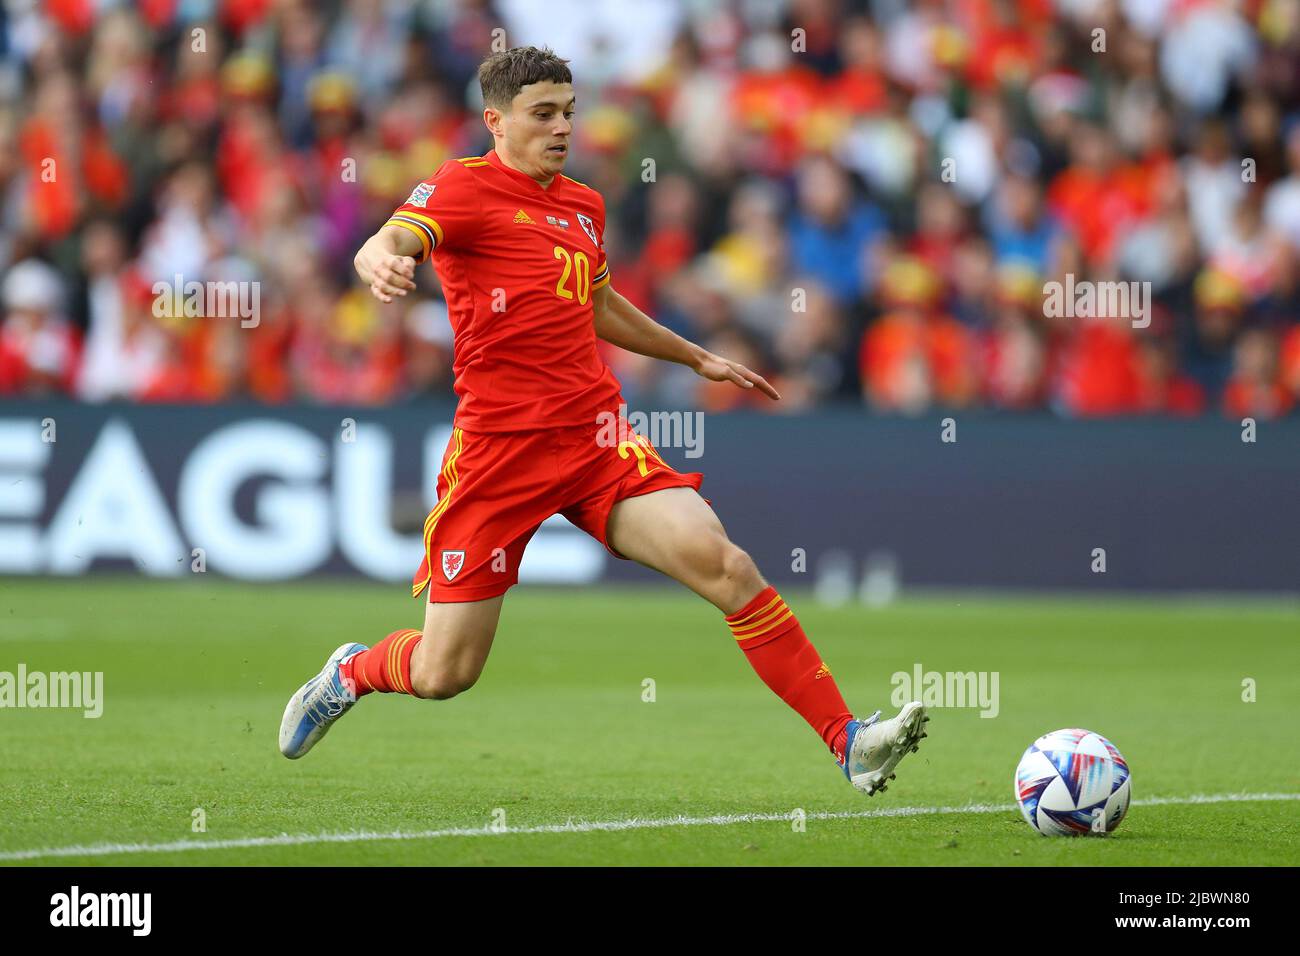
(522, 216)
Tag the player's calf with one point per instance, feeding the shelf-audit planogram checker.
(430, 683)
(405, 663)
(457, 640)
(676, 532)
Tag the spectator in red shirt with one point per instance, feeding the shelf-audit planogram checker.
(1255, 389)
(1165, 389)
(1090, 196)
(1100, 371)
(39, 348)
(859, 89)
(1289, 360)
(1014, 352)
(916, 355)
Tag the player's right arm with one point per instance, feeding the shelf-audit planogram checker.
(441, 212)
(386, 262)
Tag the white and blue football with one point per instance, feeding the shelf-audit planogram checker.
(1073, 783)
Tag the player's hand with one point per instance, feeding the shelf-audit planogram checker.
(388, 274)
(718, 369)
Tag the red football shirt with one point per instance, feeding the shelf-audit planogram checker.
(518, 265)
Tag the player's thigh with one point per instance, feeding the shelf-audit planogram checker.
(456, 643)
(676, 532)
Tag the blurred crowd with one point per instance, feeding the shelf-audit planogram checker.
(863, 200)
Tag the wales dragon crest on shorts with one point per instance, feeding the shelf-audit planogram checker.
(452, 562)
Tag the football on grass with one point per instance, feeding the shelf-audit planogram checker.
(1073, 783)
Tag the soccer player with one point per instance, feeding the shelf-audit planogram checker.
(518, 247)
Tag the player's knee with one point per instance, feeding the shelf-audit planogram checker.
(731, 562)
(714, 556)
(737, 568)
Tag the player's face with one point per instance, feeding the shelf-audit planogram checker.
(538, 127)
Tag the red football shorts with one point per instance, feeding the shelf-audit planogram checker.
(496, 488)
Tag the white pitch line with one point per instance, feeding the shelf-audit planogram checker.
(594, 826)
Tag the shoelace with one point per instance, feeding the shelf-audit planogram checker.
(335, 700)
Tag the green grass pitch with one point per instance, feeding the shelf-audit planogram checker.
(196, 675)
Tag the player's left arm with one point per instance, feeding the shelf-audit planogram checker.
(621, 323)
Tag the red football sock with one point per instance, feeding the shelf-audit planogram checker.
(777, 648)
(386, 667)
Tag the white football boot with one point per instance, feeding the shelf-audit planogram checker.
(315, 705)
(875, 746)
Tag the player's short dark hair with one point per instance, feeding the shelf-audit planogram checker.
(502, 75)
